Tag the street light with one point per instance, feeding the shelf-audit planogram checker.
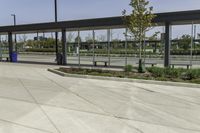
(56, 11)
(14, 18)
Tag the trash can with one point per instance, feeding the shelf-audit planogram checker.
(14, 56)
(59, 59)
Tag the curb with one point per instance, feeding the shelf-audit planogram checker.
(190, 85)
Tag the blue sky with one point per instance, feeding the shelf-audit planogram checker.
(37, 11)
(33, 11)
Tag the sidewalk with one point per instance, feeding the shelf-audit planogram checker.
(33, 100)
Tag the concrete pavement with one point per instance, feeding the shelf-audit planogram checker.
(33, 100)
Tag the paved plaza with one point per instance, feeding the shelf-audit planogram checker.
(33, 100)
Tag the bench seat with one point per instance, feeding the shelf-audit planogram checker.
(179, 64)
(99, 61)
(150, 63)
(4, 59)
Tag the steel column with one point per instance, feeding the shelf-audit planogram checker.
(0, 47)
(79, 60)
(109, 42)
(93, 46)
(64, 46)
(168, 31)
(56, 33)
(126, 45)
(192, 42)
(56, 43)
(10, 45)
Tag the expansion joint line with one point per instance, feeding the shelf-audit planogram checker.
(43, 111)
(108, 114)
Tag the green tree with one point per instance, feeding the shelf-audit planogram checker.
(90, 41)
(89, 38)
(184, 42)
(154, 37)
(138, 23)
(116, 44)
(78, 39)
(101, 38)
(70, 37)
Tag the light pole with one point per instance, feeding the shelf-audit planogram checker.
(56, 33)
(14, 19)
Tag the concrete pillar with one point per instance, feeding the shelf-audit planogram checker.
(64, 47)
(168, 31)
(10, 45)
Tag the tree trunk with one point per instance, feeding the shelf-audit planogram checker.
(140, 51)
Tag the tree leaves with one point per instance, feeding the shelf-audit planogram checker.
(140, 21)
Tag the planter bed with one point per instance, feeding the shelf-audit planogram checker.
(154, 73)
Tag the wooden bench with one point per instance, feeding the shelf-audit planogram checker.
(150, 63)
(105, 63)
(176, 64)
(5, 59)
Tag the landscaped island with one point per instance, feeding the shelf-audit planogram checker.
(152, 73)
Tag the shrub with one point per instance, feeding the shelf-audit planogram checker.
(195, 73)
(128, 68)
(156, 71)
(186, 75)
(166, 72)
(173, 73)
(106, 74)
(190, 74)
(94, 73)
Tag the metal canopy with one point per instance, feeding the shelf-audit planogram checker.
(174, 18)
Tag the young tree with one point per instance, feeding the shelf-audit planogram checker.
(101, 38)
(138, 23)
(154, 37)
(78, 39)
(88, 38)
(70, 37)
(184, 42)
(90, 41)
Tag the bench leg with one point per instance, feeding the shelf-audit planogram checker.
(106, 64)
(95, 63)
(188, 67)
